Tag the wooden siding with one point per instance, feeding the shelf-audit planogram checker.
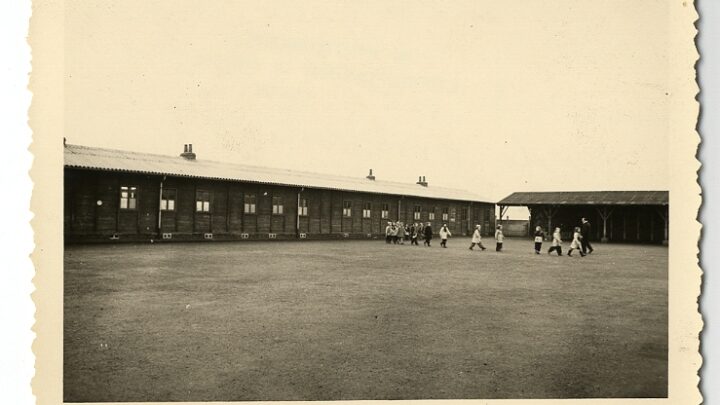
(92, 210)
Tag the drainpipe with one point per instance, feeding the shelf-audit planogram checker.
(297, 214)
(159, 224)
(399, 207)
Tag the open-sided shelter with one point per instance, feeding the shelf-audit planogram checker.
(616, 216)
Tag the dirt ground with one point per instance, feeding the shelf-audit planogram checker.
(362, 320)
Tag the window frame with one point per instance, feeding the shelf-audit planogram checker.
(385, 211)
(249, 208)
(446, 214)
(303, 207)
(165, 201)
(417, 212)
(135, 190)
(347, 209)
(367, 210)
(206, 204)
(278, 206)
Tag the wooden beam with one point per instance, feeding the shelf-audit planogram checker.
(664, 214)
(605, 213)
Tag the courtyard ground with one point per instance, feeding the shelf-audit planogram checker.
(362, 320)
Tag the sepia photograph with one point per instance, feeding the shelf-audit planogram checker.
(384, 200)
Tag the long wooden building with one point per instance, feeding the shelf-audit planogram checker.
(114, 195)
(615, 216)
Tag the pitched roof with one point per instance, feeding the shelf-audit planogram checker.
(133, 162)
(587, 198)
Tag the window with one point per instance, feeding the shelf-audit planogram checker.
(302, 208)
(167, 201)
(445, 214)
(463, 213)
(385, 212)
(202, 201)
(277, 204)
(347, 208)
(367, 210)
(416, 213)
(249, 204)
(431, 214)
(128, 197)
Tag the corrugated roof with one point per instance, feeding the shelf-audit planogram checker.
(133, 162)
(587, 198)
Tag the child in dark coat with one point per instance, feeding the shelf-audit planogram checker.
(539, 236)
(428, 234)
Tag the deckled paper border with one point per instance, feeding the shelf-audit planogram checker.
(47, 122)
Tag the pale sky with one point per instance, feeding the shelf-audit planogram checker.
(491, 97)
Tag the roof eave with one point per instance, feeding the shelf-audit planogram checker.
(153, 173)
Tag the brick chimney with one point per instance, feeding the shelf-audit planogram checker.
(370, 176)
(188, 153)
(421, 181)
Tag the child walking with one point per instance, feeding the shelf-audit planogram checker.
(499, 237)
(444, 234)
(414, 234)
(428, 234)
(576, 243)
(401, 233)
(539, 236)
(556, 245)
(477, 239)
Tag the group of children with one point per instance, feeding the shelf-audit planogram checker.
(398, 233)
(577, 242)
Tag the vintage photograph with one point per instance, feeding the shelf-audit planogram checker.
(384, 200)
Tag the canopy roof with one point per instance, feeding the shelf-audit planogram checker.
(587, 198)
(84, 157)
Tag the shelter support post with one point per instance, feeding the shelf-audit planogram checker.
(530, 220)
(297, 214)
(624, 227)
(664, 214)
(605, 213)
(652, 230)
(503, 211)
(549, 212)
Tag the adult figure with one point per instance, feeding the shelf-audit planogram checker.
(388, 236)
(428, 234)
(585, 232)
